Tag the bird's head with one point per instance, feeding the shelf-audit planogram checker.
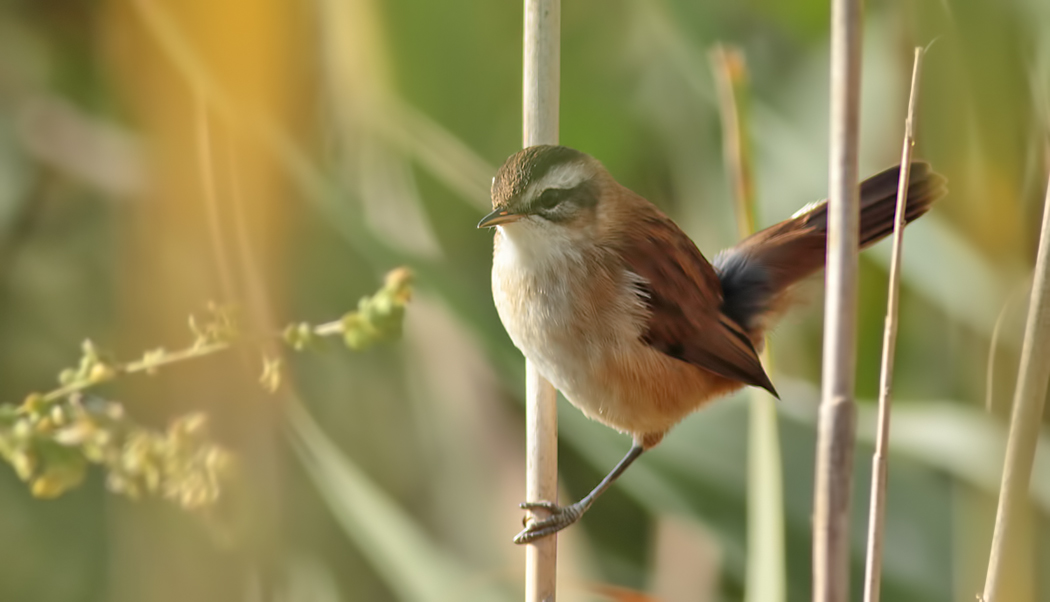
(546, 188)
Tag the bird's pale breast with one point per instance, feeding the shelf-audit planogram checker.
(580, 318)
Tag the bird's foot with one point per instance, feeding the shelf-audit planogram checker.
(560, 517)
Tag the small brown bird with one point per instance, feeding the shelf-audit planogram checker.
(620, 311)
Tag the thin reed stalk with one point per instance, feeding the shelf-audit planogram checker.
(877, 508)
(540, 87)
(837, 423)
(766, 580)
(1025, 420)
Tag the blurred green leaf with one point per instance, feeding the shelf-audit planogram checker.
(413, 566)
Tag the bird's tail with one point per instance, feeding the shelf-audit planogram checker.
(757, 272)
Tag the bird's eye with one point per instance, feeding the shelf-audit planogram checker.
(550, 198)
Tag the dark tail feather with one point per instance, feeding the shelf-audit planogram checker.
(756, 272)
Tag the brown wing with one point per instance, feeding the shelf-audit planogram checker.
(684, 299)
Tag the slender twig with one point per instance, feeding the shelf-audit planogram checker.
(877, 509)
(766, 579)
(540, 87)
(1025, 421)
(377, 317)
(837, 425)
(149, 364)
(155, 360)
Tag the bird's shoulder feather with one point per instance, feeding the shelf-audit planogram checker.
(683, 296)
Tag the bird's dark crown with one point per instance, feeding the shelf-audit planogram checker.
(525, 167)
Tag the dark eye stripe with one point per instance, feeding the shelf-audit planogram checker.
(551, 197)
(562, 204)
(582, 195)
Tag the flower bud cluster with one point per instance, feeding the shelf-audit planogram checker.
(51, 443)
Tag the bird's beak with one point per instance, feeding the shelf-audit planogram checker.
(497, 217)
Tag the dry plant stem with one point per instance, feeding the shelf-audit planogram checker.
(766, 579)
(877, 509)
(540, 90)
(730, 75)
(1026, 418)
(837, 423)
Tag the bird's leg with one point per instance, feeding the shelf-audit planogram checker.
(563, 516)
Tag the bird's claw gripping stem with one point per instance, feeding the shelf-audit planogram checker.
(560, 517)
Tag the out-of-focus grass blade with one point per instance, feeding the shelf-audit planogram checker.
(765, 500)
(963, 442)
(948, 271)
(766, 577)
(441, 152)
(414, 568)
(309, 580)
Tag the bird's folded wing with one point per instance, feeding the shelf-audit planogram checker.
(684, 298)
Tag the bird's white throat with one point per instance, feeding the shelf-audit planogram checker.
(533, 245)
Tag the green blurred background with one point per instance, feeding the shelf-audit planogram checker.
(159, 154)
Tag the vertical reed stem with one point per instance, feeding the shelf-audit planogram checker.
(837, 423)
(540, 88)
(877, 509)
(1026, 418)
